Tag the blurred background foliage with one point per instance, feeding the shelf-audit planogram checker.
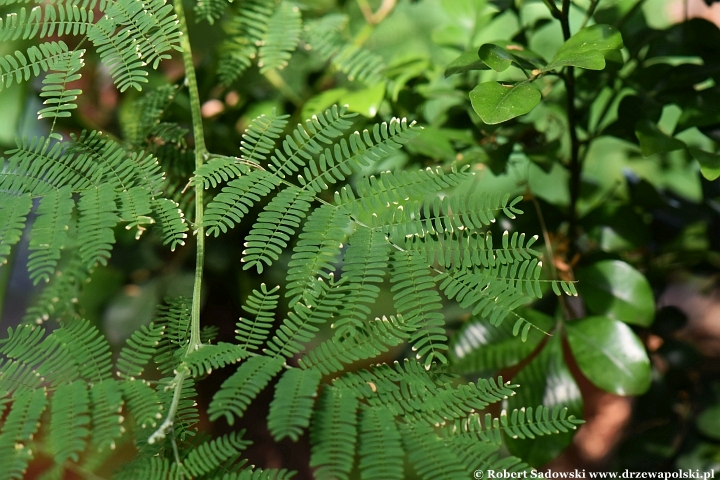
(635, 220)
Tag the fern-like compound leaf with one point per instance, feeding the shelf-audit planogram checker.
(261, 474)
(106, 401)
(219, 170)
(172, 222)
(281, 37)
(46, 21)
(13, 213)
(103, 160)
(59, 297)
(376, 192)
(211, 454)
(333, 434)
(275, 226)
(316, 250)
(352, 155)
(351, 345)
(521, 423)
(261, 135)
(147, 33)
(142, 403)
(138, 351)
(251, 334)
(305, 141)
(18, 429)
(97, 219)
(427, 455)
(235, 200)
(322, 301)
(69, 421)
(89, 348)
(59, 99)
(135, 208)
(246, 29)
(379, 445)
(243, 386)
(211, 10)
(147, 112)
(460, 250)
(209, 357)
(489, 299)
(419, 304)
(436, 216)
(20, 67)
(324, 37)
(292, 404)
(49, 233)
(33, 360)
(364, 267)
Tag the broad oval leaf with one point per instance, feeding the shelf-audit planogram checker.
(495, 57)
(653, 140)
(615, 289)
(709, 162)
(610, 355)
(586, 48)
(546, 381)
(464, 63)
(496, 103)
(709, 422)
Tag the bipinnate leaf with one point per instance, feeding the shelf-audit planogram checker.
(610, 355)
(497, 103)
(587, 48)
(545, 380)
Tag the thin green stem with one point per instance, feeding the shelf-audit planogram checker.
(200, 154)
(575, 165)
(590, 12)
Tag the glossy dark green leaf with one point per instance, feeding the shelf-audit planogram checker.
(496, 103)
(481, 347)
(709, 422)
(610, 355)
(495, 57)
(709, 162)
(465, 62)
(586, 48)
(615, 289)
(653, 140)
(547, 381)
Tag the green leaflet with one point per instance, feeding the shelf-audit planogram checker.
(281, 37)
(333, 434)
(293, 403)
(379, 445)
(237, 392)
(13, 212)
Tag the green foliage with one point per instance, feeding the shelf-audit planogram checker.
(397, 248)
